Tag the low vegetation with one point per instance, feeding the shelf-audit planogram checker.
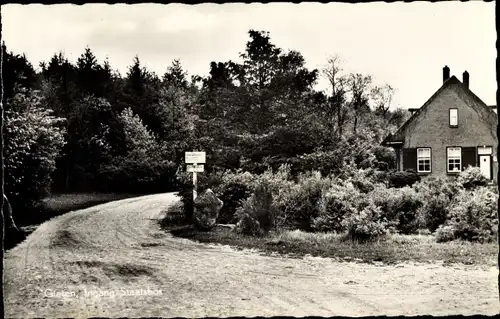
(357, 215)
(58, 204)
(394, 248)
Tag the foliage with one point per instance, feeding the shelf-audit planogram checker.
(298, 202)
(438, 193)
(335, 204)
(473, 215)
(144, 168)
(471, 178)
(232, 195)
(445, 233)
(403, 178)
(34, 139)
(365, 224)
(257, 214)
(401, 207)
(259, 120)
(385, 158)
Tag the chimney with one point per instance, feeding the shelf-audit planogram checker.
(446, 73)
(466, 79)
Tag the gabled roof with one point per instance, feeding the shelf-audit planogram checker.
(398, 136)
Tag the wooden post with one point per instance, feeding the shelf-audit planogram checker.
(194, 185)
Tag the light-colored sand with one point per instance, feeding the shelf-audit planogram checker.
(63, 266)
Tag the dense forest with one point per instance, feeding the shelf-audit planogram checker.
(80, 127)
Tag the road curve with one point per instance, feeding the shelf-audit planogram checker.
(113, 260)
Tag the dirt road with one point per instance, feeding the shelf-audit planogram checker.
(101, 261)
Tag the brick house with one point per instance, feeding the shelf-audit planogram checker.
(452, 130)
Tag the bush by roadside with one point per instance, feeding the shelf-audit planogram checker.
(359, 204)
(472, 216)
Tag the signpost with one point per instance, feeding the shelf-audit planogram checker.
(195, 168)
(195, 158)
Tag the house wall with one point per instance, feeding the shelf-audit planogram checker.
(430, 128)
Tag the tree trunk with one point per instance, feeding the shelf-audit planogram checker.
(10, 225)
(355, 124)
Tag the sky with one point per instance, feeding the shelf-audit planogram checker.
(405, 45)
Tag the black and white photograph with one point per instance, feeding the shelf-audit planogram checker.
(222, 160)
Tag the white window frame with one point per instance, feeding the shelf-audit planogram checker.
(421, 158)
(454, 117)
(484, 150)
(454, 158)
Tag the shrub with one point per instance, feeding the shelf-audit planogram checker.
(274, 180)
(437, 193)
(335, 204)
(258, 207)
(400, 207)
(247, 224)
(363, 180)
(472, 178)
(445, 233)
(232, 196)
(406, 209)
(365, 224)
(298, 202)
(405, 178)
(473, 215)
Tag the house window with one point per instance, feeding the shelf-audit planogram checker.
(423, 160)
(454, 159)
(484, 150)
(453, 117)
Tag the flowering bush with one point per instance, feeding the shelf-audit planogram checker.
(34, 138)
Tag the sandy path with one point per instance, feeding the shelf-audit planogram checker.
(60, 269)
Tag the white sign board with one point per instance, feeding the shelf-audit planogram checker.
(195, 157)
(195, 168)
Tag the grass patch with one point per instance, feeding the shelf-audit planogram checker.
(56, 205)
(390, 250)
(59, 204)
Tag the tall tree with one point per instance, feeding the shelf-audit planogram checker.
(140, 93)
(176, 76)
(382, 98)
(336, 111)
(359, 89)
(92, 78)
(16, 72)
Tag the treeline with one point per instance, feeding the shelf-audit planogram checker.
(75, 127)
